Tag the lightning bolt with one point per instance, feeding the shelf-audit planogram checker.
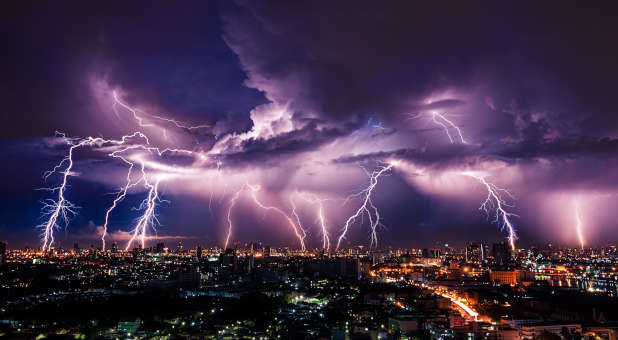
(367, 207)
(229, 216)
(495, 200)
(312, 199)
(119, 197)
(62, 209)
(444, 123)
(298, 230)
(579, 224)
(141, 121)
(148, 218)
(435, 115)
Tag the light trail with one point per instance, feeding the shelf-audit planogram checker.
(494, 199)
(367, 207)
(461, 305)
(579, 224)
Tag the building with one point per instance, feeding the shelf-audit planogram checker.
(403, 324)
(502, 254)
(198, 252)
(159, 248)
(475, 253)
(188, 278)
(228, 259)
(504, 277)
(531, 331)
(3, 246)
(128, 327)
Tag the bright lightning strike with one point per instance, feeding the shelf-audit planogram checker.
(298, 230)
(320, 217)
(435, 115)
(495, 200)
(367, 207)
(579, 224)
(140, 120)
(149, 217)
(61, 207)
(229, 216)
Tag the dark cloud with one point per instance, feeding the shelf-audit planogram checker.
(265, 152)
(360, 56)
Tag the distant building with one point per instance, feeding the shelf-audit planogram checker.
(475, 253)
(189, 278)
(198, 252)
(432, 253)
(3, 246)
(228, 258)
(504, 277)
(114, 247)
(501, 253)
(128, 328)
(532, 331)
(160, 248)
(403, 324)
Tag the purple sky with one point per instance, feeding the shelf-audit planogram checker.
(303, 103)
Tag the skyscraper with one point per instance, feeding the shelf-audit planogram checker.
(475, 252)
(159, 249)
(501, 253)
(2, 252)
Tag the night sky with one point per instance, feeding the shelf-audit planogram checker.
(303, 102)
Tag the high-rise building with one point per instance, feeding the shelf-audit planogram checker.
(180, 248)
(3, 246)
(501, 253)
(228, 259)
(114, 247)
(475, 252)
(159, 248)
(266, 251)
(198, 252)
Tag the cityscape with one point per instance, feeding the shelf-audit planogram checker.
(313, 170)
(254, 291)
